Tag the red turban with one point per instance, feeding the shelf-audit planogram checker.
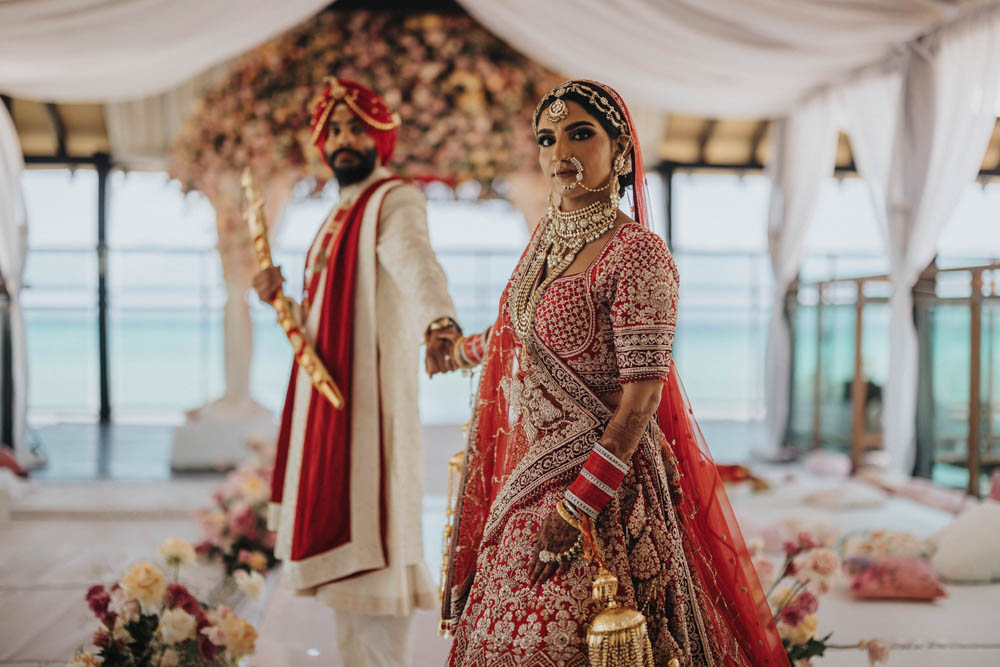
(381, 124)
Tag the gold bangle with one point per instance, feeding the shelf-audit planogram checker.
(441, 323)
(567, 517)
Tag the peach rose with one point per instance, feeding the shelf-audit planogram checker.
(258, 561)
(86, 660)
(801, 633)
(240, 637)
(144, 582)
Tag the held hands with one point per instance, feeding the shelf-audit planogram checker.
(441, 350)
(555, 536)
(267, 283)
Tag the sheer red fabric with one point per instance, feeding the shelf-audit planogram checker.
(715, 542)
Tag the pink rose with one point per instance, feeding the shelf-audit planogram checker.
(808, 602)
(823, 562)
(878, 650)
(214, 635)
(792, 615)
(807, 540)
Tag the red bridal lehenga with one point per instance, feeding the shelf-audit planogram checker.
(669, 535)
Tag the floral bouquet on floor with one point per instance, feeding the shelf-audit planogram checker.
(235, 529)
(146, 620)
(808, 572)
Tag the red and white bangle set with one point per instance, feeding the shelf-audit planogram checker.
(471, 350)
(598, 482)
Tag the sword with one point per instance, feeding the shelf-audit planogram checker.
(305, 353)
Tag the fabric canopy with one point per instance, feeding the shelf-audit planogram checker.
(802, 159)
(13, 248)
(111, 50)
(720, 57)
(946, 119)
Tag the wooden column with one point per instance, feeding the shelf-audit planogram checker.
(858, 385)
(818, 375)
(975, 368)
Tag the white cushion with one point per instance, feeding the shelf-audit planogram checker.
(852, 495)
(968, 549)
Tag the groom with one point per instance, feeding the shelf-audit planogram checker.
(347, 484)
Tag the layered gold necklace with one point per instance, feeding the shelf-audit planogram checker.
(566, 235)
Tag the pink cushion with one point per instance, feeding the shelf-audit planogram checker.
(897, 578)
(825, 463)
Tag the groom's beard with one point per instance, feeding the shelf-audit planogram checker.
(357, 171)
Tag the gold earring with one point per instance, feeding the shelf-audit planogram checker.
(619, 165)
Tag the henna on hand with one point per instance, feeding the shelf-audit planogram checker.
(638, 404)
(554, 535)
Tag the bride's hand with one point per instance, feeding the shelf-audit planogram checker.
(555, 536)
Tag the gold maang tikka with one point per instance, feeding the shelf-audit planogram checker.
(557, 111)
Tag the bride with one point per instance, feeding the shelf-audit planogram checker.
(581, 420)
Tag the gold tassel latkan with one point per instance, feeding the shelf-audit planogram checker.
(618, 636)
(455, 467)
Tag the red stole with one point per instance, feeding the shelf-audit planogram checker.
(322, 506)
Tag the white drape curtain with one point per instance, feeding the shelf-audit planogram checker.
(13, 248)
(802, 158)
(112, 50)
(945, 118)
(720, 57)
(141, 131)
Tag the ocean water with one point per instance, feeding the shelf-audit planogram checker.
(166, 340)
(166, 337)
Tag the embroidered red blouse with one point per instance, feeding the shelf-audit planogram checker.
(613, 323)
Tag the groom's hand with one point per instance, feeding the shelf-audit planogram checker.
(441, 350)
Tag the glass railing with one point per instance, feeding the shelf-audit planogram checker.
(165, 331)
(837, 384)
(960, 396)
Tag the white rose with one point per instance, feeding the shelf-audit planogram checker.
(251, 583)
(177, 552)
(176, 625)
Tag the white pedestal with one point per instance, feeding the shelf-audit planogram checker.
(217, 436)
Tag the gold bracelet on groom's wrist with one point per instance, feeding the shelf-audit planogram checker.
(440, 324)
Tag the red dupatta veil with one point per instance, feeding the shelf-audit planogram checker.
(498, 457)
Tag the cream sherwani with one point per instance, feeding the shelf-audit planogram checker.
(400, 289)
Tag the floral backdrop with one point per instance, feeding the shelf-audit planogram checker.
(465, 98)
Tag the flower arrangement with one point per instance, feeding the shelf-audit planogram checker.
(809, 571)
(235, 529)
(147, 620)
(465, 98)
